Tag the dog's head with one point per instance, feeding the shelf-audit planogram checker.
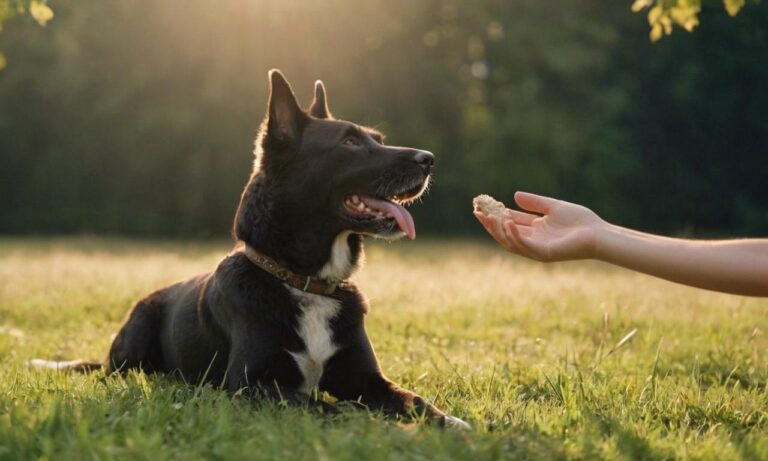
(319, 177)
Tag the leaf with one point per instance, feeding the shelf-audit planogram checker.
(666, 22)
(733, 6)
(655, 14)
(656, 33)
(41, 12)
(3, 62)
(640, 4)
(685, 16)
(690, 24)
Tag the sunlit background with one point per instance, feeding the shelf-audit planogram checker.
(138, 118)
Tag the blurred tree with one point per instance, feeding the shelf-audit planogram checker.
(130, 118)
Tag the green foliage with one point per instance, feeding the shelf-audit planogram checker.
(38, 9)
(533, 356)
(663, 14)
(131, 119)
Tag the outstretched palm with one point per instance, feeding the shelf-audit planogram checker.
(565, 231)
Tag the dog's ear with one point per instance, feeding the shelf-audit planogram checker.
(284, 116)
(319, 106)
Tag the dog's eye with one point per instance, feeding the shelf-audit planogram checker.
(351, 141)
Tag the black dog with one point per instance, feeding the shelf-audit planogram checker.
(278, 316)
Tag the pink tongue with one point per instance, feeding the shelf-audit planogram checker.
(401, 215)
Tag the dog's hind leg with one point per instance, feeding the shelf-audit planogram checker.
(137, 344)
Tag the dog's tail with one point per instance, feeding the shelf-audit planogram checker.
(80, 366)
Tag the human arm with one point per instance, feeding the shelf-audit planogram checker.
(560, 231)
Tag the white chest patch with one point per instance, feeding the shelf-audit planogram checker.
(315, 330)
(339, 266)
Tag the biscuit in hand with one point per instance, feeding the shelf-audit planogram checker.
(489, 206)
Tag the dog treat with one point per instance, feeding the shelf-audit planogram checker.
(488, 206)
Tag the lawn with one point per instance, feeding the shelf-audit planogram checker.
(531, 355)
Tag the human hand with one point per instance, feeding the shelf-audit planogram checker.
(566, 231)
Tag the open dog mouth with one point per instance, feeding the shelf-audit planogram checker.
(379, 211)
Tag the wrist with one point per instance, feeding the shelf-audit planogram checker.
(606, 235)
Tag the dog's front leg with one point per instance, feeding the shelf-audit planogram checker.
(260, 369)
(253, 382)
(354, 374)
(251, 387)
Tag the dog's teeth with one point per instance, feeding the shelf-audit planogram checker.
(355, 199)
(360, 206)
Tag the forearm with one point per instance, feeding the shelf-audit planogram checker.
(731, 266)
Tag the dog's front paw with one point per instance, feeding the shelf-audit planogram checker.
(452, 422)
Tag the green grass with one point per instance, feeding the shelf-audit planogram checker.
(525, 352)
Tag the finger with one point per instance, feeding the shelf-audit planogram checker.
(523, 230)
(480, 217)
(510, 239)
(519, 217)
(495, 228)
(488, 224)
(533, 202)
(540, 251)
(512, 233)
(483, 220)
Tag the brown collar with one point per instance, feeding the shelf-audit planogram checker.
(306, 283)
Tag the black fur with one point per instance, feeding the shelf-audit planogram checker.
(235, 326)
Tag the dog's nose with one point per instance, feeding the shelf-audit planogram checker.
(425, 159)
